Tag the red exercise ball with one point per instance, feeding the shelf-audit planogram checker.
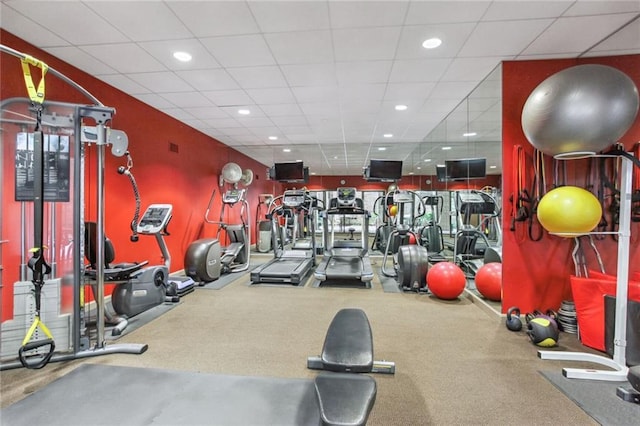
(489, 281)
(446, 280)
(412, 239)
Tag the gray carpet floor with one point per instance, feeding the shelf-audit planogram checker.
(456, 364)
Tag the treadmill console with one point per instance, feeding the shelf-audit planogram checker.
(233, 196)
(294, 198)
(155, 219)
(346, 197)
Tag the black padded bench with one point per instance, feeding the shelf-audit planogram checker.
(348, 346)
(345, 399)
(631, 395)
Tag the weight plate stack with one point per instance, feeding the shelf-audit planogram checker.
(567, 320)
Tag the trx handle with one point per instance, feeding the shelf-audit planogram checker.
(35, 95)
(32, 361)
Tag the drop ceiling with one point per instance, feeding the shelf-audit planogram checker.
(324, 77)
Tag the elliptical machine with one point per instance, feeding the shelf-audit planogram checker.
(410, 261)
(206, 259)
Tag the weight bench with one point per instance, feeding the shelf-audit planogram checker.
(348, 346)
(346, 398)
(631, 395)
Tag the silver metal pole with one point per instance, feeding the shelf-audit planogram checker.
(100, 205)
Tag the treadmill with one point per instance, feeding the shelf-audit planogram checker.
(288, 266)
(345, 260)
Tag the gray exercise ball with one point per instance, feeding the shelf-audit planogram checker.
(582, 109)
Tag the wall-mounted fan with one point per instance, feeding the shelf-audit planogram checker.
(233, 174)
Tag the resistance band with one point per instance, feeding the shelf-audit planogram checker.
(28, 354)
(136, 214)
(539, 186)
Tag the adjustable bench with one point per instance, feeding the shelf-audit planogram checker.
(346, 399)
(348, 346)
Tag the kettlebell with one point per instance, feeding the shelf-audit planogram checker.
(513, 319)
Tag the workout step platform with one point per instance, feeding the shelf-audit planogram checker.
(345, 399)
(348, 346)
(631, 395)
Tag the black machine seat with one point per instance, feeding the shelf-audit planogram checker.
(345, 399)
(348, 345)
(115, 272)
(634, 377)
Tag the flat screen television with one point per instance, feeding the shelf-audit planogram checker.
(385, 170)
(289, 171)
(441, 174)
(470, 168)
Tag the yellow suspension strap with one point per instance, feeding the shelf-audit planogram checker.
(28, 353)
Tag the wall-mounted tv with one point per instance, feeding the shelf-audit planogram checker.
(288, 172)
(385, 170)
(441, 174)
(470, 168)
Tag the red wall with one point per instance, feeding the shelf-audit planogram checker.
(415, 183)
(536, 274)
(184, 179)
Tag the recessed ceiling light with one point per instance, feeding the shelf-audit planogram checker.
(469, 134)
(419, 168)
(335, 157)
(273, 138)
(493, 167)
(401, 107)
(446, 148)
(410, 173)
(182, 56)
(382, 148)
(431, 43)
(286, 150)
(244, 112)
(388, 135)
(426, 160)
(440, 165)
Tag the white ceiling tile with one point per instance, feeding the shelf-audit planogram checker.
(239, 51)
(290, 120)
(365, 44)
(124, 83)
(301, 47)
(418, 70)
(442, 12)
(27, 29)
(187, 99)
(602, 7)
(81, 60)
(453, 37)
(163, 52)
(502, 38)
(177, 113)
(258, 77)
(315, 94)
(286, 130)
(215, 18)
(207, 112)
(559, 37)
(353, 14)
(323, 110)
(525, 9)
(156, 101)
(125, 57)
(238, 131)
(628, 38)
(142, 20)
(309, 74)
(277, 110)
(229, 97)
(213, 79)
(161, 82)
(254, 111)
(471, 69)
(74, 21)
(405, 91)
(363, 72)
(265, 132)
(271, 96)
(252, 122)
(222, 123)
(279, 16)
(362, 92)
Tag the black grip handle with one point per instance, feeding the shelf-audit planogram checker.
(33, 362)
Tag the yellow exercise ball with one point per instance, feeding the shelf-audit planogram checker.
(393, 210)
(569, 210)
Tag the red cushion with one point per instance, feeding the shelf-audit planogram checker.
(588, 296)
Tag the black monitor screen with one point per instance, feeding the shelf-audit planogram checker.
(472, 168)
(385, 169)
(289, 171)
(441, 173)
